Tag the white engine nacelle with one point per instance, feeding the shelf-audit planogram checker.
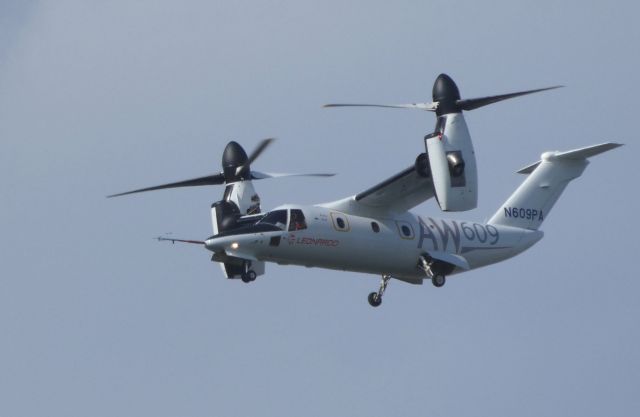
(453, 164)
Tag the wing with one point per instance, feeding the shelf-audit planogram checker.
(396, 194)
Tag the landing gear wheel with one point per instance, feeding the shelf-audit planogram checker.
(438, 280)
(374, 299)
(249, 276)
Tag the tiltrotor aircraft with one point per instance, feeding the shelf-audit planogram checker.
(373, 231)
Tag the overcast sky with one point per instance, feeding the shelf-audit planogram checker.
(98, 319)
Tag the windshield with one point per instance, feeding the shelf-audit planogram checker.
(276, 218)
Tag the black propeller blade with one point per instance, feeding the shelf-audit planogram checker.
(446, 94)
(474, 103)
(446, 99)
(255, 154)
(236, 166)
(215, 179)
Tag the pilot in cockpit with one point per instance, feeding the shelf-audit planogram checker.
(297, 221)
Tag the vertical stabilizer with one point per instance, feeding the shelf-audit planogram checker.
(531, 203)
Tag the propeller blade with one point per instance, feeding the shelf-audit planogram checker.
(255, 154)
(257, 175)
(416, 106)
(214, 179)
(259, 149)
(474, 103)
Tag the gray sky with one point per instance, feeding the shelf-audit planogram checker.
(99, 97)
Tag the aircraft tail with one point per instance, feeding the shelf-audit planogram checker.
(530, 204)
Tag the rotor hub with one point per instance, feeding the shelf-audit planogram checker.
(445, 93)
(234, 156)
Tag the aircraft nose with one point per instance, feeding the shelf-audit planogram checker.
(226, 240)
(210, 244)
(215, 243)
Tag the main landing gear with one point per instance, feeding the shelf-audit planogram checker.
(375, 298)
(438, 280)
(428, 265)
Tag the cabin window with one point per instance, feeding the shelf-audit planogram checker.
(405, 230)
(340, 222)
(297, 221)
(375, 227)
(276, 218)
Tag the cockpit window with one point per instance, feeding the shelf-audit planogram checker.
(297, 221)
(276, 218)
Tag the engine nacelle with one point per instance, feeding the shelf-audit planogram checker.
(224, 216)
(452, 164)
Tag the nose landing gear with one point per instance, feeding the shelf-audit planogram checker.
(249, 275)
(375, 298)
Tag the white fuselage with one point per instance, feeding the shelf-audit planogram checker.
(378, 245)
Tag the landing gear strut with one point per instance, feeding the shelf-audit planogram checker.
(375, 298)
(249, 275)
(426, 263)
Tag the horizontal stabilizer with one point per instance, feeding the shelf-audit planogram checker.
(529, 168)
(582, 153)
(587, 152)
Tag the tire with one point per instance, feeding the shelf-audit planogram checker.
(252, 275)
(374, 300)
(438, 280)
(248, 276)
